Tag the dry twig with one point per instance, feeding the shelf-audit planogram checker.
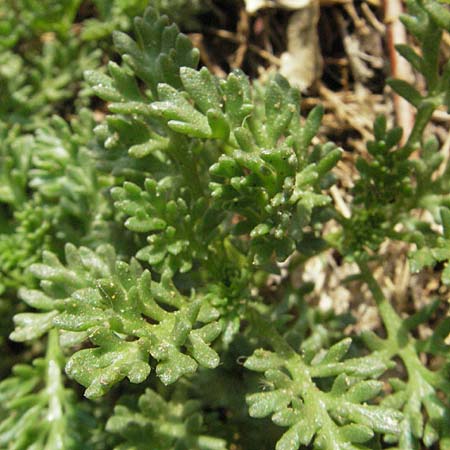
(400, 68)
(229, 36)
(197, 40)
(242, 37)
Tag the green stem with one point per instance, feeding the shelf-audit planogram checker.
(417, 370)
(423, 116)
(390, 318)
(268, 333)
(55, 393)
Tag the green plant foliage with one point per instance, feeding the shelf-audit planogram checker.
(33, 87)
(22, 247)
(56, 166)
(118, 15)
(439, 252)
(149, 246)
(15, 163)
(184, 12)
(112, 15)
(236, 166)
(422, 387)
(37, 411)
(166, 424)
(63, 174)
(391, 186)
(426, 21)
(47, 16)
(335, 419)
(101, 298)
(20, 19)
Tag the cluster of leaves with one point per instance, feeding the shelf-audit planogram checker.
(37, 410)
(145, 243)
(166, 424)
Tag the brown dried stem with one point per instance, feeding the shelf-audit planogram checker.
(400, 68)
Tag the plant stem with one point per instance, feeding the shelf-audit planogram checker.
(55, 393)
(390, 318)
